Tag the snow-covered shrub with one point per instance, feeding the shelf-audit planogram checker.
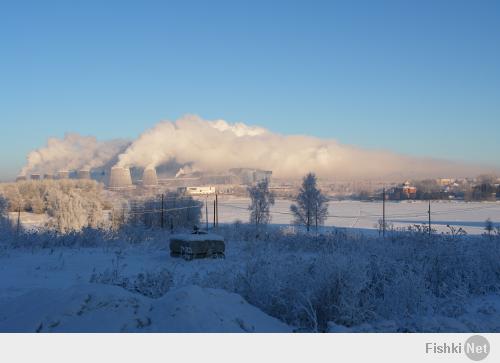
(150, 284)
(4, 206)
(353, 279)
(72, 204)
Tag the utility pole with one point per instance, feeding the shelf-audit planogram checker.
(216, 210)
(161, 222)
(430, 226)
(18, 218)
(206, 211)
(316, 218)
(383, 212)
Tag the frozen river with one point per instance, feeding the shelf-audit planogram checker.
(471, 216)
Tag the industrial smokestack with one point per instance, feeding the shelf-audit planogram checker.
(149, 178)
(120, 178)
(63, 174)
(35, 177)
(83, 174)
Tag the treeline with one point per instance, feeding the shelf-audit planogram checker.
(71, 204)
(484, 188)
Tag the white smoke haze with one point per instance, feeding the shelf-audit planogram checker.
(72, 152)
(216, 146)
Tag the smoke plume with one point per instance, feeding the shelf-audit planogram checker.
(73, 152)
(195, 144)
(216, 146)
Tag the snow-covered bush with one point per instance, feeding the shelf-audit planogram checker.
(72, 204)
(4, 206)
(150, 284)
(351, 279)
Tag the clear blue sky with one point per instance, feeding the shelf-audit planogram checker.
(416, 77)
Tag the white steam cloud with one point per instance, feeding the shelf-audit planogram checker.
(217, 146)
(73, 152)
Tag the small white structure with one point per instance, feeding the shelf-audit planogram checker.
(197, 190)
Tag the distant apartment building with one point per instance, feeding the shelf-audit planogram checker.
(248, 176)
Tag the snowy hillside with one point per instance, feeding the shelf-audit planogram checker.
(104, 308)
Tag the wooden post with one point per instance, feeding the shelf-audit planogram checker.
(430, 226)
(383, 212)
(206, 211)
(18, 218)
(161, 215)
(214, 212)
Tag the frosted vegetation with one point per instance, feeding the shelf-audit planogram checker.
(71, 204)
(312, 282)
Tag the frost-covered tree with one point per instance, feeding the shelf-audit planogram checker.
(311, 206)
(261, 200)
(4, 206)
(489, 227)
(74, 206)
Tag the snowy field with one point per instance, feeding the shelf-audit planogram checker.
(279, 281)
(364, 215)
(470, 216)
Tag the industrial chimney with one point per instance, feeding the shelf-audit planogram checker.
(120, 178)
(83, 174)
(63, 174)
(149, 178)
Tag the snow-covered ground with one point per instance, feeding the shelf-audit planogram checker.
(471, 216)
(49, 291)
(280, 281)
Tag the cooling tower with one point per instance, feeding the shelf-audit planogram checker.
(83, 174)
(120, 178)
(63, 174)
(35, 176)
(20, 178)
(149, 178)
(48, 176)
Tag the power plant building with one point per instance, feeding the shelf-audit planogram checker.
(83, 174)
(249, 176)
(149, 178)
(63, 174)
(120, 178)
